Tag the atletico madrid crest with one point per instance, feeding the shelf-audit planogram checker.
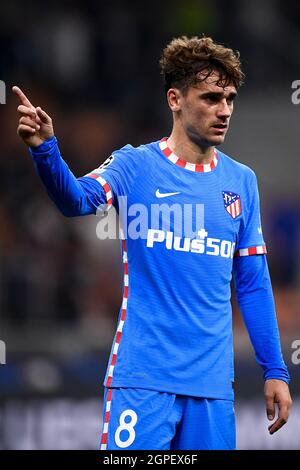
(232, 203)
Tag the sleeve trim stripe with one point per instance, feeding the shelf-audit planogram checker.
(254, 250)
(92, 175)
(105, 186)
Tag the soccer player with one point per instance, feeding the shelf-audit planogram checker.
(169, 381)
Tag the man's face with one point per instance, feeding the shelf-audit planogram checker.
(205, 110)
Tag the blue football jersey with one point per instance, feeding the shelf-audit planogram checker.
(174, 330)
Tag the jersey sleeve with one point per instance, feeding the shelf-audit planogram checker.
(250, 238)
(256, 301)
(94, 193)
(70, 195)
(117, 175)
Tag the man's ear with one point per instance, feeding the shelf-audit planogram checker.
(174, 98)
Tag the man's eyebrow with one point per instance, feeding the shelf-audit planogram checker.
(233, 95)
(218, 94)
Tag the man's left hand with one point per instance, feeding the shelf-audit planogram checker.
(277, 391)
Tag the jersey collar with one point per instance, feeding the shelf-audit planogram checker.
(205, 168)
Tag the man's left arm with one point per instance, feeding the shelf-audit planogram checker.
(256, 302)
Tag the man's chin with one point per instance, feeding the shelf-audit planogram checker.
(216, 140)
(209, 141)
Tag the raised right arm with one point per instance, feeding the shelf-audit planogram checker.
(72, 196)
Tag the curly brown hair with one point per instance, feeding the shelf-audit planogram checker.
(183, 59)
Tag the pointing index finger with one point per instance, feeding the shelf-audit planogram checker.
(23, 98)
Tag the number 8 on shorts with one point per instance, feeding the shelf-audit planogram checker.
(128, 427)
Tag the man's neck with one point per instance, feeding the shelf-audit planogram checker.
(187, 150)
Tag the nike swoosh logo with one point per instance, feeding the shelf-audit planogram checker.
(159, 194)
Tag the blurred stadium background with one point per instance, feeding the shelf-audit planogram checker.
(93, 66)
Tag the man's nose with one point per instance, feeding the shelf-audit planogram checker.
(224, 110)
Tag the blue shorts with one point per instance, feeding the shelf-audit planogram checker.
(138, 419)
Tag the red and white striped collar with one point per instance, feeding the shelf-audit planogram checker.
(203, 168)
